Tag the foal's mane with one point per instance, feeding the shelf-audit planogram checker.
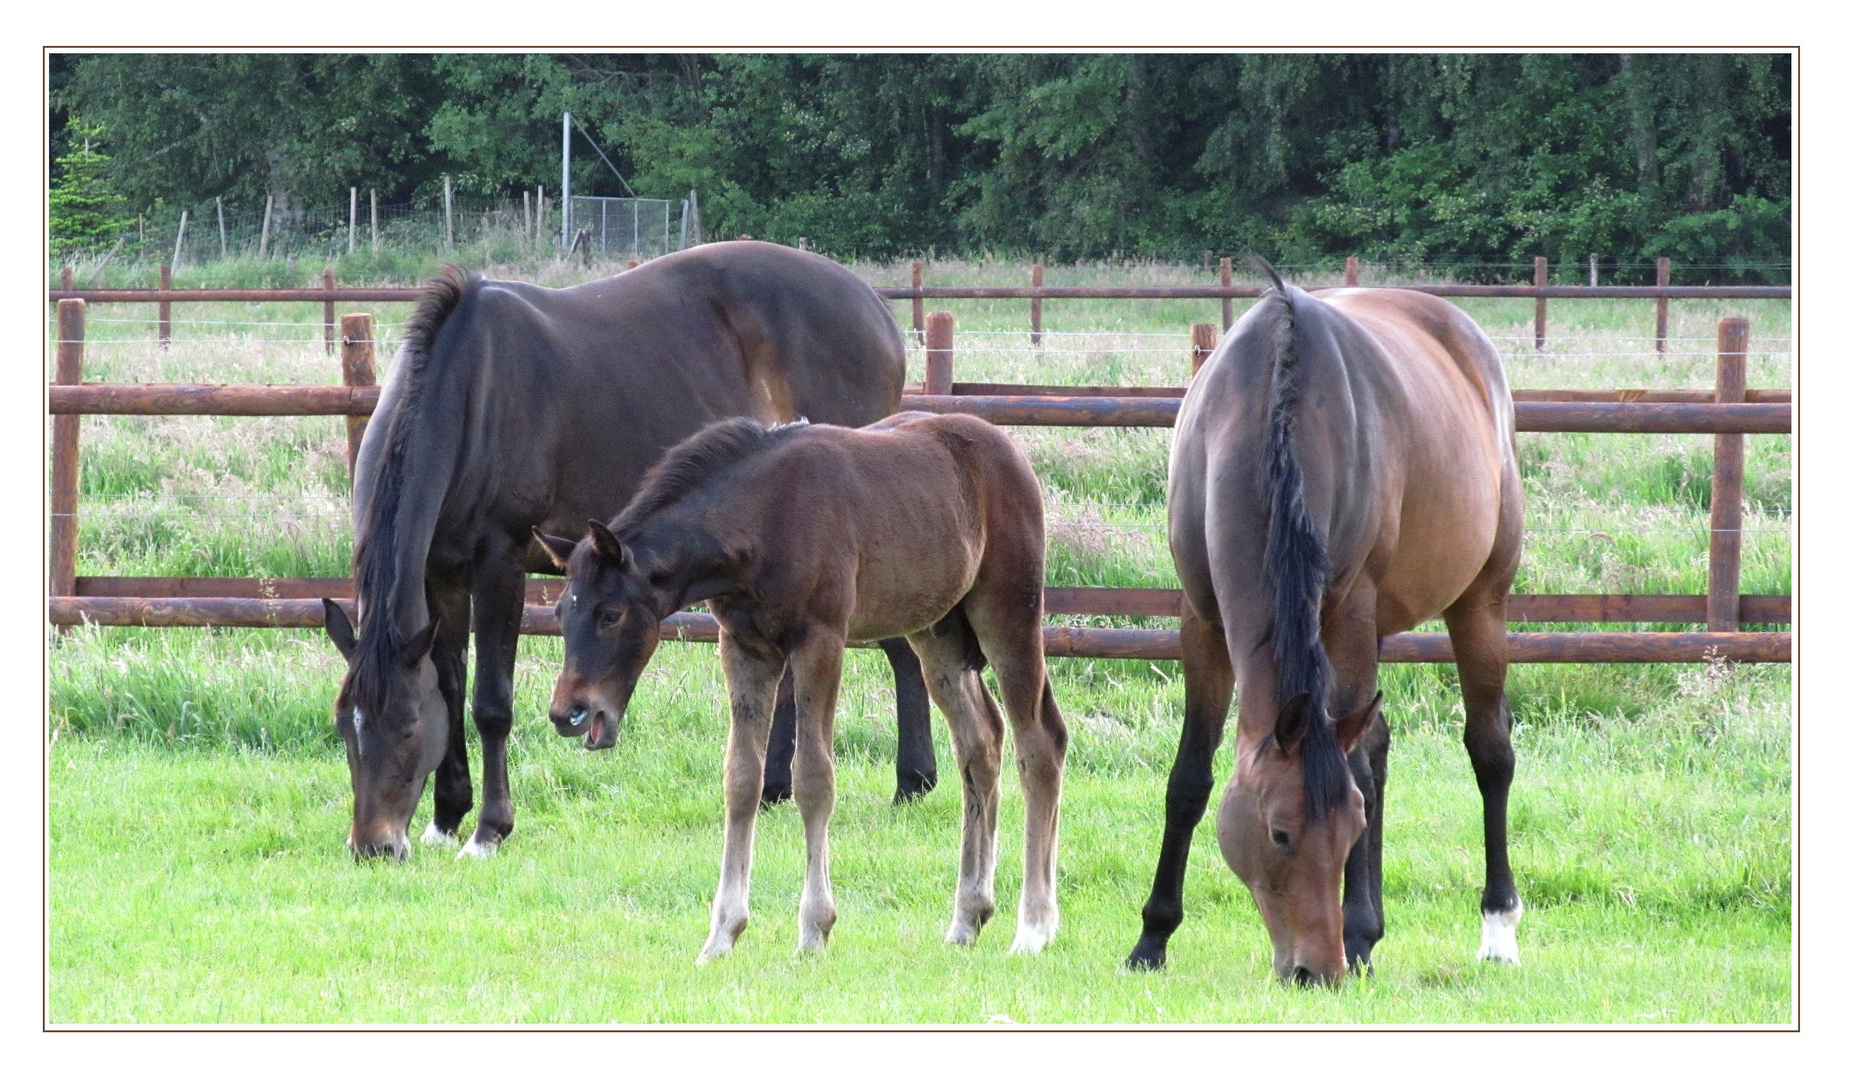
(375, 562)
(1297, 564)
(693, 462)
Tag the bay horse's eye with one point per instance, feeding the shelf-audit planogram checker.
(607, 619)
(1280, 838)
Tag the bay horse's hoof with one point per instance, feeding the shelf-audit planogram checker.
(913, 786)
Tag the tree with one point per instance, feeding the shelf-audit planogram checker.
(86, 212)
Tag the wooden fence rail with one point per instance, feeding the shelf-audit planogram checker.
(1728, 412)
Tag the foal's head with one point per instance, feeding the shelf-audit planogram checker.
(391, 716)
(610, 613)
(1287, 835)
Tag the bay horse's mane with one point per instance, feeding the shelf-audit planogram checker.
(693, 462)
(1297, 565)
(375, 565)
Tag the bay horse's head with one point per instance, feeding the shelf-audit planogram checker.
(391, 716)
(1287, 821)
(610, 613)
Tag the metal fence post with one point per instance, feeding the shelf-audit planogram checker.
(1205, 338)
(165, 328)
(356, 369)
(918, 323)
(1725, 493)
(327, 309)
(1662, 307)
(1540, 304)
(1226, 302)
(1036, 279)
(64, 463)
(940, 351)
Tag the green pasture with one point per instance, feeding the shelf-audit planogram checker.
(197, 795)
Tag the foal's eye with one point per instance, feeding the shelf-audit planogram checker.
(608, 619)
(1280, 837)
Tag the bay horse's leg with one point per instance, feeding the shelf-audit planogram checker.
(1353, 648)
(917, 763)
(1478, 623)
(751, 683)
(817, 667)
(781, 749)
(1208, 674)
(951, 673)
(500, 594)
(1010, 636)
(452, 796)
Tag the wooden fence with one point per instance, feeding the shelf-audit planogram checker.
(1729, 412)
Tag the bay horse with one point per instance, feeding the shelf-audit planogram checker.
(1343, 469)
(802, 538)
(513, 407)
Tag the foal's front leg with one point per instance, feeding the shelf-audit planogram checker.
(817, 667)
(751, 681)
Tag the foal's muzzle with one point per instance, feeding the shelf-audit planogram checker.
(595, 721)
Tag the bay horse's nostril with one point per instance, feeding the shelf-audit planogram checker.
(1304, 977)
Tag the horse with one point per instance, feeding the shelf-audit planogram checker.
(801, 538)
(480, 437)
(1343, 468)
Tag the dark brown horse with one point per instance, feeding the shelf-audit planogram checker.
(512, 407)
(1343, 469)
(801, 539)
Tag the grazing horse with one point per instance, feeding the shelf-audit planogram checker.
(513, 407)
(1343, 469)
(801, 539)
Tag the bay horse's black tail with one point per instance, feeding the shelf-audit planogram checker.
(1296, 568)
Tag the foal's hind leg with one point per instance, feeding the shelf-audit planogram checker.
(1478, 624)
(917, 764)
(975, 726)
(751, 683)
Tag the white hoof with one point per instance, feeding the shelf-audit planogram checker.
(1029, 940)
(475, 849)
(436, 837)
(1499, 936)
(713, 950)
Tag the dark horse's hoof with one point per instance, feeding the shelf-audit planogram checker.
(913, 786)
(1147, 956)
(774, 793)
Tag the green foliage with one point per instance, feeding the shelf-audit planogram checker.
(86, 211)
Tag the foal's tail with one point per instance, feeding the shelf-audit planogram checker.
(1297, 566)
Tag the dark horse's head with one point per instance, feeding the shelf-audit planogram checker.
(392, 718)
(610, 613)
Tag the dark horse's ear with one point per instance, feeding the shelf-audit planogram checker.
(339, 630)
(1350, 728)
(608, 545)
(1293, 723)
(558, 549)
(412, 652)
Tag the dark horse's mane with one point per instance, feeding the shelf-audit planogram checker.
(375, 563)
(1296, 567)
(694, 461)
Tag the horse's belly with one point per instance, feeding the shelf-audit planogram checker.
(1437, 556)
(892, 598)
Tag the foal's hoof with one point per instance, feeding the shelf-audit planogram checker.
(913, 786)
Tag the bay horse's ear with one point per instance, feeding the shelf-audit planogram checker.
(414, 651)
(339, 630)
(1293, 723)
(1350, 728)
(558, 549)
(608, 545)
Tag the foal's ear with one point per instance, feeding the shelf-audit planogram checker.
(608, 545)
(414, 651)
(558, 549)
(1350, 728)
(1294, 718)
(339, 630)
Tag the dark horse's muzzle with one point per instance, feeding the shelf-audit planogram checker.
(594, 720)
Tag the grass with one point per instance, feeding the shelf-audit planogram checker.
(197, 797)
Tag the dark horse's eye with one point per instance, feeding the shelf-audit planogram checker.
(1280, 837)
(608, 619)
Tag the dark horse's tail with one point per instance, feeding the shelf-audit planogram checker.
(1296, 567)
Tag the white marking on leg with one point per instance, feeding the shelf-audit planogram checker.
(476, 848)
(436, 837)
(1499, 936)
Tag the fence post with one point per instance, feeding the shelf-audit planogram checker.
(1540, 304)
(449, 222)
(263, 243)
(68, 278)
(940, 351)
(918, 323)
(327, 308)
(179, 240)
(356, 369)
(1662, 307)
(1226, 302)
(353, 217)
(1724, 495)
(375, 219)
(1205, 338)
(1037, 278)
(224, 249)
(165, 329)
(1592, 269)
(64, 465)
(1351, 272)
